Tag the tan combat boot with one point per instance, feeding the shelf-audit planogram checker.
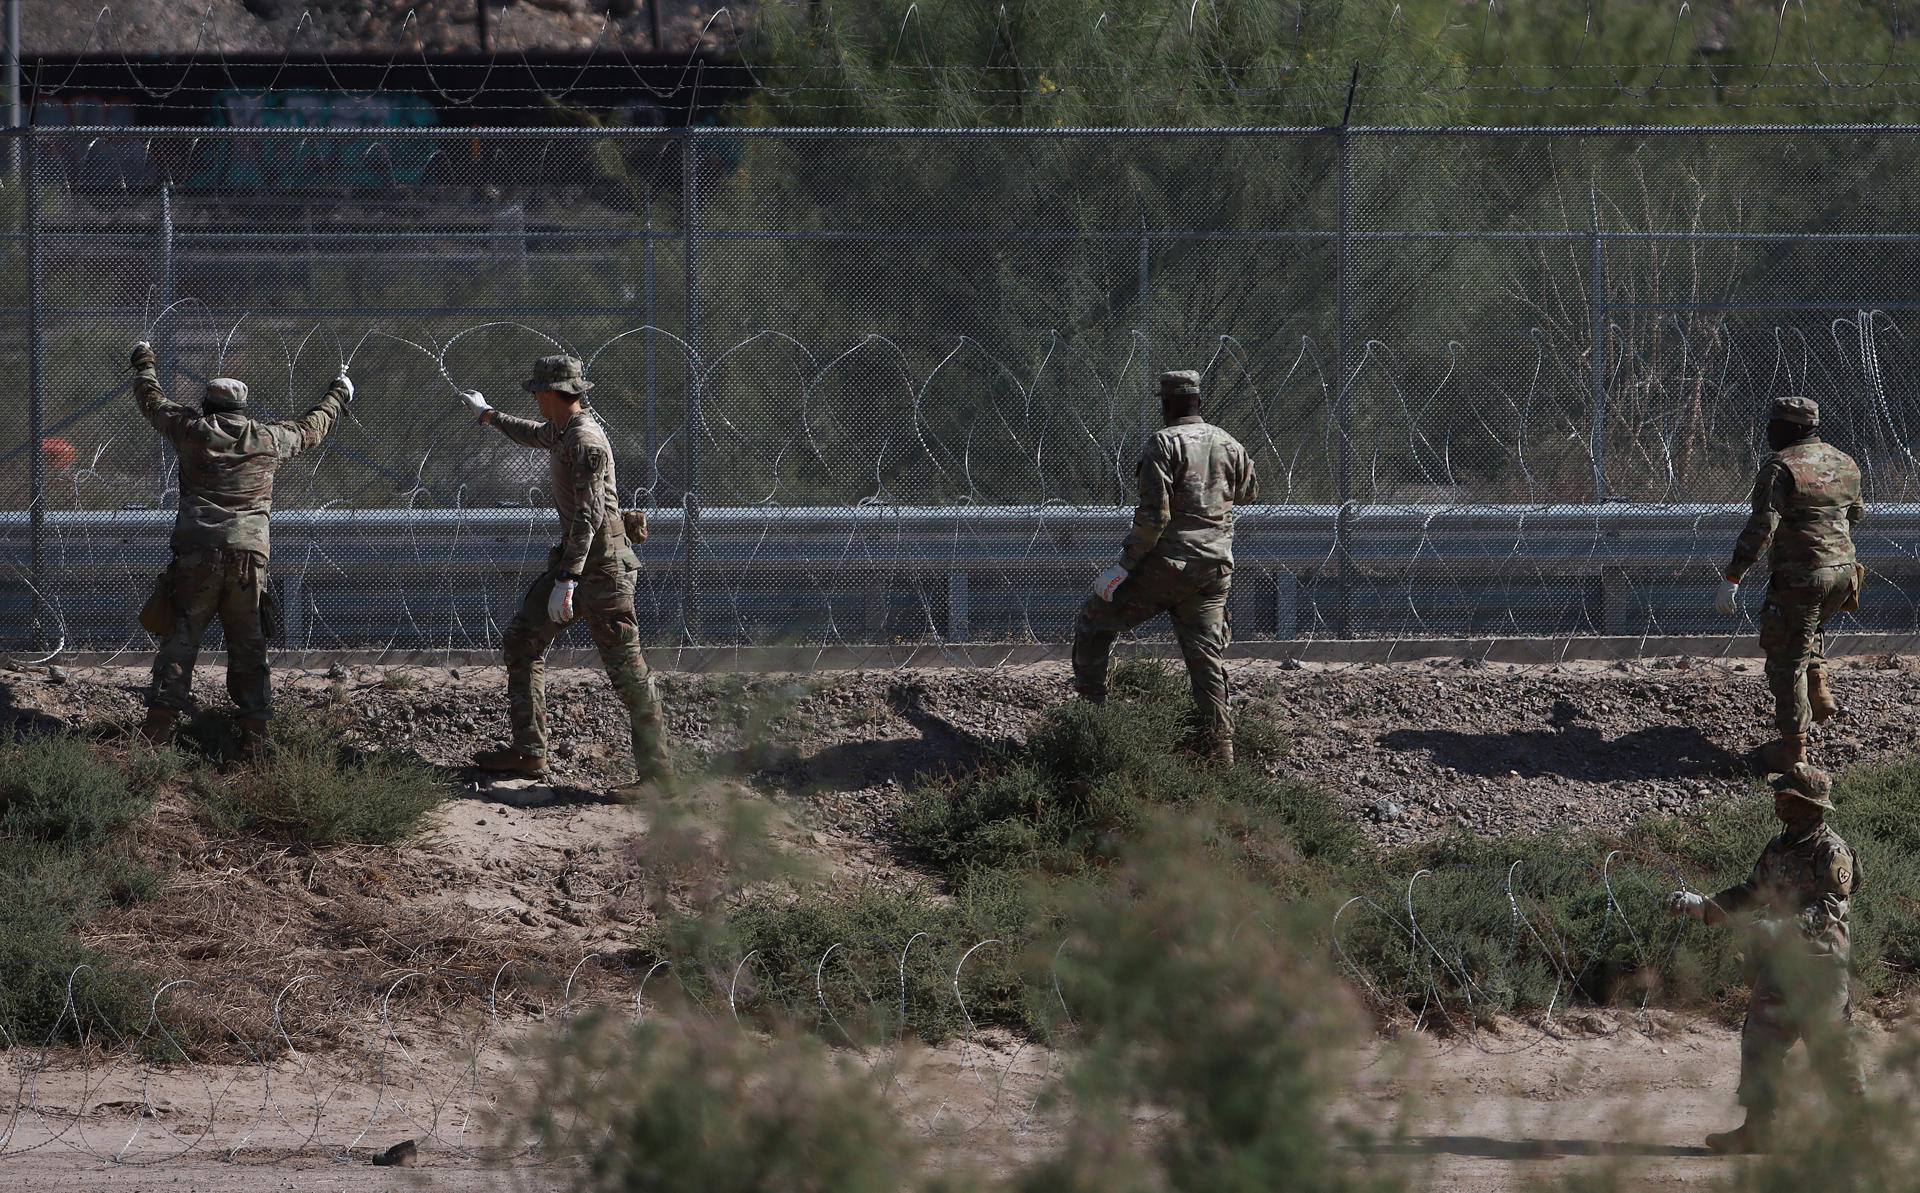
(1778, 757)
(653, 770)
(510, 761)
(253, 736)
(1220, 748)
(1820, 696)
(1754, 1135)
(159, 726)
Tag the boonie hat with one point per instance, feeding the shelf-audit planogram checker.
(1810, 783)
(1180, 383)
(224, 393)
(563, 373)
(1804, 411)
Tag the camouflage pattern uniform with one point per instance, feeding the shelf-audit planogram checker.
(594, 550)
(227, 462)
(1179, 558)
(1797, 958)
(1805, 500)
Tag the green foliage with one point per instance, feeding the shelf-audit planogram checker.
(53, 788)
(310, 785)
(1169, 63)
(1088, 775)
(865, 942)
(1208, 1011)
(700, 1105)
(61, 810)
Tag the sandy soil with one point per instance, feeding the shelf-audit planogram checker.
(546, 876)
(1505, 1112)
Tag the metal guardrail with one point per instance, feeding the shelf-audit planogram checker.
(875, 574)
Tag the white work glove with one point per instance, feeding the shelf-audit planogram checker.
(344, 382)
(1686, 903)
(560, 602)
(476, 401)
(1727, 600)
(1107, 581)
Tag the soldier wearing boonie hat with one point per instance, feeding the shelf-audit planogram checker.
(220, 539)
(1801, 889)
(1178, 560)
(595, 558)
(1806, 500)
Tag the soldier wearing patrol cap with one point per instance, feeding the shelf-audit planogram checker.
(1806, 499)
(1797, 955)
(227, 462)
(592, 572)
(1178, 560)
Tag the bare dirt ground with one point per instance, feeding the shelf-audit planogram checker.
(547, 875)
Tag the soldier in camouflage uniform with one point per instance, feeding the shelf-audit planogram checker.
(1178, 560)
(594, 559)
(1806, 499)
(227, 462)
(1797, 955)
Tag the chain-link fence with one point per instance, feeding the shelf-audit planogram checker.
(887, 386)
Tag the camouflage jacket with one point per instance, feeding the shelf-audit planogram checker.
(1191, 475)
(584, 490)
(1806, 500)
(1805, 880)
(227, 462)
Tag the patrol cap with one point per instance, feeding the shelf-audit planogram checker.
(563, 373)
(1804, 411)
(1180, 383)
(224, 393)
(1810, 783)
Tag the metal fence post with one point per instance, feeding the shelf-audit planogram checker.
(1342, 408)
(1597, 445)
(1146, 326)
(653, 408)
(696, 370)
(162, 331)
(36, 464)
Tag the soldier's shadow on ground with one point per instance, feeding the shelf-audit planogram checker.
(1531, 1149)
(16, 719)
(854, 765)
(1575, 752)
(485, 787)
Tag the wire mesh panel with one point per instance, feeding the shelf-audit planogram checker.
(880, 387)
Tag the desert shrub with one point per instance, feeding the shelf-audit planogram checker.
(701, 1105)
(1215, 1037)
(1087, 776)
(310, 785)
(891, 958)
(53, 788)
(61, 810)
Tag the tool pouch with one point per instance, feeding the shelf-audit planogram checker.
(156, 616)
(1859, 586)
(271, 622)
(635, 522)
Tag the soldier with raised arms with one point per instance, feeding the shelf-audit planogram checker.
(1178, 559)
(227, 462)
(592, 572)
(1806, 500)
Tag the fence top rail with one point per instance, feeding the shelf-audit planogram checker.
(521, 515)
(1292, 131)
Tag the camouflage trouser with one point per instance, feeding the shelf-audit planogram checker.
(605, 598)
(1790, 626)
(200, 585)
(1195, 598)
(1812, 1005)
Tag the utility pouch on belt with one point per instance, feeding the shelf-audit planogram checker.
(635, 522)
(1859, 585)
(156, 616)
(271, 622)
